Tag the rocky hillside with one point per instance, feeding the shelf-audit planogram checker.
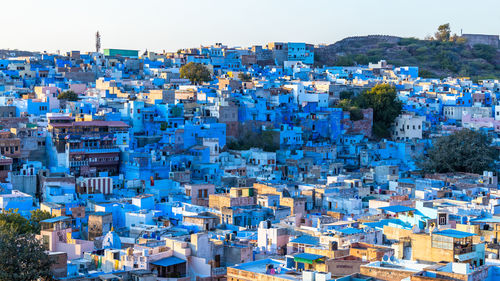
(434, 58)
(15, 53)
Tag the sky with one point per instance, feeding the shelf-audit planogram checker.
(157, 25)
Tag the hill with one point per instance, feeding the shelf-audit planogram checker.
(4, 53)
(434, 58)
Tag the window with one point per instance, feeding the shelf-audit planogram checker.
(442, 242)
(442, 219)
(46, 241)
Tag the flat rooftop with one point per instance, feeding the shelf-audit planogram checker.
(260, 267)
(404, 265)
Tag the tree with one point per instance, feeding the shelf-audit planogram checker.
(355, 112)
(195, 72)
(68, 95)
(344, 61)
(424, 73)
(22, 257)
(13, 223)
(464, 151)
(443, 34)
(245, 77)
(36, 217)
(386, 107)
(267, 140)
(346, 95)
(485, 52)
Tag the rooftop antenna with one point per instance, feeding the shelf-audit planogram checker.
(97, 41)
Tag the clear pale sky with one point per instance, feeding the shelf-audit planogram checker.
(156, 25)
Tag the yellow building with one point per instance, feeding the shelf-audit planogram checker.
(447, 245)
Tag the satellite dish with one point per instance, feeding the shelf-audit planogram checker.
(393, 259)
(385, 257)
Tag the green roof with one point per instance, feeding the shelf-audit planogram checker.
(121, 52)
(307, 258)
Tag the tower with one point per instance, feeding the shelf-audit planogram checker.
(97, 42)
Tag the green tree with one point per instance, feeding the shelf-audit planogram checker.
(485, 52)
(386, 107)
(346, 95)
(36, 217)
(344, 61)
(267, 140)
(195, 72)
(68, 95)
(355, 112)
(443, 33)
(22, 257)
(424, 73)
(464, 151)
(245, 77)
(13, 223)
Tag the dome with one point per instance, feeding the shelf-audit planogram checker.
(111, 241)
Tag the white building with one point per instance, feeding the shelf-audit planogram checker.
(408, 126)
(497, 112)
(271, 239)
(457, 112)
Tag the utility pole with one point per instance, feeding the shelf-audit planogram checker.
(97, 42)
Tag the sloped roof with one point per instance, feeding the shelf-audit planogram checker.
(168, 261)
(397, 209)
(306, 239)
(454, 233)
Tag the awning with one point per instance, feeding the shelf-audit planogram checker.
(168, 261)
(307, 258)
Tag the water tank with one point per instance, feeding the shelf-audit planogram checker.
(308, 275)
(290, 263)
(323, 276)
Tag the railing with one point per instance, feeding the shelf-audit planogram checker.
(465, 250)
(100, 163)
(95, 150)
(78, 163)
(219, 271)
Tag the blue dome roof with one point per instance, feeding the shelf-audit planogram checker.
(111, 241)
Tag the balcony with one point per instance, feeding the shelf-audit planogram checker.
(78, 163)
(104, 163)
(219, 271)
(460, 250)
(94, 150)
